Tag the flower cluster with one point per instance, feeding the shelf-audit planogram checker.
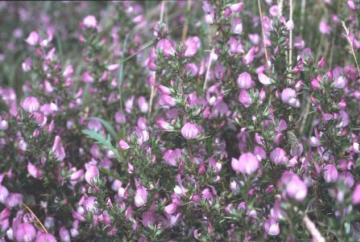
(173, 121)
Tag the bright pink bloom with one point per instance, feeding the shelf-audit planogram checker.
(356, 195)
(24, 232)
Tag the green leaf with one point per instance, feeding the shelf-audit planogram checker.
(104, 142)
(107, 126)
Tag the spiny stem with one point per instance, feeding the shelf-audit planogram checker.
(315, 233)
(186, 24)
(280, 5)
(207, 75)
(351, 46)
(263, 34)
(36, 218)
(291, 34)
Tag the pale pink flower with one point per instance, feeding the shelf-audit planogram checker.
(90, 21)
(33, 38)
(141, 195)
(247, 163)
(356, 195)
(244, 81)
(190, 131)
(30, 104)
(58, 149)
(192, 44)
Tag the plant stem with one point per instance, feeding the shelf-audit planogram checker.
(263, 34)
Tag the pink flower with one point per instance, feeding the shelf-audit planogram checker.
(123, 145)
(288, 96)
(244, 81)
(264, 79)
(190, 131)
(33, 38)
(91, 174)
(45, 237)
(30, 104)
(166, 46)
(64, 234)
(24, 232)
(141, 195)
(13, 200)
(192, 44)
(324, 27)
(236, 26)
(356, 195)
(330, 173)
(278, 156)
(171, 157)
(90, 21)
(340, 82)
(271, 227)
(246, 164)
(58, 149)
(295, 188)
(4, 193)
(245, 98)
(33, 170)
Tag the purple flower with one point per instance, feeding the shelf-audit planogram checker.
(244, 81)
(45, 237)
(123, 145)
(24, 232)
(90, 21)
(245, 98)
(33, 38)
(33, 170)
(166, 47)
(356, 195)
(190, 131)
(13, 200)
(30, 104)
(192, 44)
(278, 156)
(58, 149)
(295, 188)
(141, 195)
(236, 26)
(264, 79)
(330, 173)
(246, 164)
(271, 227)
(91, 174)
(171, 157)
(288, 96)
(4, 193)
(64, 234)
